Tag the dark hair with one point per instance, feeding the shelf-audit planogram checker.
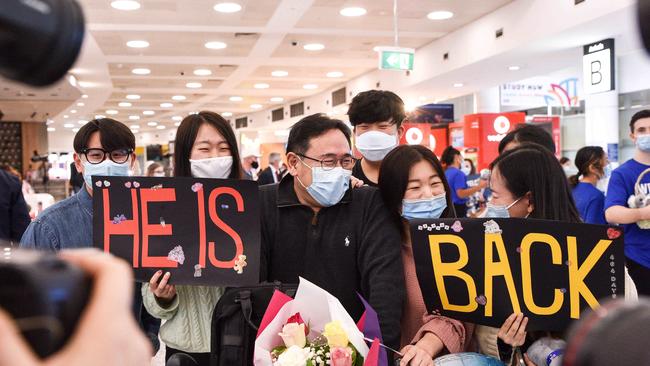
(186, 135)
(528, 133)
(533, 168)
(448, 155)
(113, 135)
(586, 157)
(472, 170)
(645, 113)
(394, 177)
(564, 159)
(151, 168)
(375, 106)
(311, 127)
(610, 335)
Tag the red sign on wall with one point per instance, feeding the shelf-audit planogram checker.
(484, 131)
(435, 138)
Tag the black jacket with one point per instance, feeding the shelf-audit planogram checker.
(350, 247)
(14, 215)
(265, 177)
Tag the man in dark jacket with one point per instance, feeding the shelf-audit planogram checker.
(317, 227)
(14, 216)
(272, 172)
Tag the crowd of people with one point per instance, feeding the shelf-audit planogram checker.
(342, 223)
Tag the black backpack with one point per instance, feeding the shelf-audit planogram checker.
(235, 321)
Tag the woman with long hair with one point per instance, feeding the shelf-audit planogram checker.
(413, 185)
(206, 147)
(592, 165)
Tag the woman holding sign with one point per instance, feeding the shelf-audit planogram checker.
(206, 147)
(413, 185)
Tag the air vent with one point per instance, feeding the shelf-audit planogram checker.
(297, 109)
(244, 34)
(338, 97)
(241, 122)
(227, 66)
(445, 56)
(277, 115)
(498, 33)
(578, 2)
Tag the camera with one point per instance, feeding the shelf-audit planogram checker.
(44, 295)
(39, 39)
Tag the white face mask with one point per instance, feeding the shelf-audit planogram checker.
(218, 167)
(375, 145)
(159, 174)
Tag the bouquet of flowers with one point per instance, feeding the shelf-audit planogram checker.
(313, 329)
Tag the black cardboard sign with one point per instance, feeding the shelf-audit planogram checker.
(483, 270)
(203, 231)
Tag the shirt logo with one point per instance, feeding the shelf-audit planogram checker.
(347, 241)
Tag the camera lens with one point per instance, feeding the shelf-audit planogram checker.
(39, 39)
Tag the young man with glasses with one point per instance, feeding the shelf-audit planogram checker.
(315, 226)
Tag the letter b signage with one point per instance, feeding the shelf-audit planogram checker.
(598, 67)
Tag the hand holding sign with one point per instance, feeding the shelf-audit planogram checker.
(513, 330)
(160, 288)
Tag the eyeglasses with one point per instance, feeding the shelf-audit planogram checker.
(331, 163)
(96, 156)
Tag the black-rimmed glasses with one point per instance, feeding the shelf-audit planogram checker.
(331, 163)
(96, 155)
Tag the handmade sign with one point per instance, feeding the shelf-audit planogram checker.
(203, 231)
(483, 270)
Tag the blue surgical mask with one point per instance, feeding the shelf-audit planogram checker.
(607, 171)
(107, 168)
(425, 208)
(499, 211)
(327, 186)
(643, 142)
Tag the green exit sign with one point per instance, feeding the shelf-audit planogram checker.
(395, 58)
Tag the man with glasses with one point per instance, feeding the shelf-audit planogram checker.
(314, 225)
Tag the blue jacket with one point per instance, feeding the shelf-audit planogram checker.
(14, 216)
(65, 225)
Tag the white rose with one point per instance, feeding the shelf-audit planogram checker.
(293, 356)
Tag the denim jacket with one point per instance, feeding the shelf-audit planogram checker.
(67, 224)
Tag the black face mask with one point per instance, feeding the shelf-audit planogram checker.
(255, 165)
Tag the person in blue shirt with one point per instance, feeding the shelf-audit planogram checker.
(618, 210)
(460, 192)
(591, 162)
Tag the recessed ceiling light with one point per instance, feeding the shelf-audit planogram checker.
(68, 125)
(85, 96)
(148, 113)
(99, 116)
(202, 72)
(135, 127)
(137, 44)
(277, 99)
(133, 97)
(75, 130)
(152, 123)
(177, 124)
(310, 86)
(161, 127)
(177, 118)
(124, 104)
(353, 12)
(51, 129)
(514, 68)
(179, 97)
(458, 85)
(125, 5)
(236, 99)
(193, 85)
(82, 122)
(166, 105)
(226, 114)
(313, 47)
(141, 71)
(134, 118)
(440, 15)
(256, 106)
(334, 74)
(192, 113)
(111, 112)
(215, 45)
(80, 104)
(73, 111)
(261, 86)
(227, 7)
(65, 116)
(279, 73)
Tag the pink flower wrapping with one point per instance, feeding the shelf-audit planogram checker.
(340, 356)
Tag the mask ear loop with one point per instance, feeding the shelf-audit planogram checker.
(312, 169)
